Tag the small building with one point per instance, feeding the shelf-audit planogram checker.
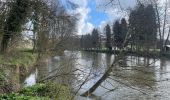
(167, 48)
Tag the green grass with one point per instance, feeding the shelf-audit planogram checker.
(47, 91)
(19, 59)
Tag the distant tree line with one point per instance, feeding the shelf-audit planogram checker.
(140, 31)
(90, 40)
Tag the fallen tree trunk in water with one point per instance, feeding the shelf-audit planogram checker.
(96, 85)
(102, 79)
(109, 70)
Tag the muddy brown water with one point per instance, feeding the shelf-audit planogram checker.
(135, 78)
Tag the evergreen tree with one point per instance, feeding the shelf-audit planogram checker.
(95, 38)
(150, 27)
(108, 37)
(117, 34)
(132, 29)
(82, 41)
(143, 27)
(124, 29)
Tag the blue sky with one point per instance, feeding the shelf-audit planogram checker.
(91, 15)
(95, 16)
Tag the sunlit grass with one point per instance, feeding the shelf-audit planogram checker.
(21, 58)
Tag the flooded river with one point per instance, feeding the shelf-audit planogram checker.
(135, 78)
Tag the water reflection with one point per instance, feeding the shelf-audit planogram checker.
(133, 76)
(31, 80)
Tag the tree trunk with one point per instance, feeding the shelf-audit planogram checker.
(103, 78)
(4, 43)
(166, 41)
(96, 85)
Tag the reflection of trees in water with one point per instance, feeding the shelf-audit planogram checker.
(108, 59)
(138, 73)
(133, 71)
(146, 62)
(163, 69)
(58, 69)
(86, 55)
(163, 64)
(96, 65)
(95, 60)
(65, 71)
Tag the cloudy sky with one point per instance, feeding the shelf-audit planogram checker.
(94, 13)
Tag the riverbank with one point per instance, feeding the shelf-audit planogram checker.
(155, 54)
(14, 68)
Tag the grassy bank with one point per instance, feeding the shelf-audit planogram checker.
(21, 58)
(48, 91)
(17, 65)
(14, 67)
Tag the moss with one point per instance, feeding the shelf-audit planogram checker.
(46, 91)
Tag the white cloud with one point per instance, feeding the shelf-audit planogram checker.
(113, 13)
(102, 26)
(83, 10)
(114, 10)
(81, 3)
(83, 16)
(88, 28)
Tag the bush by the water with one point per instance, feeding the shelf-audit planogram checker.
(45, 91)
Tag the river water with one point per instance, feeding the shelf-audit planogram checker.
(135, 78)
